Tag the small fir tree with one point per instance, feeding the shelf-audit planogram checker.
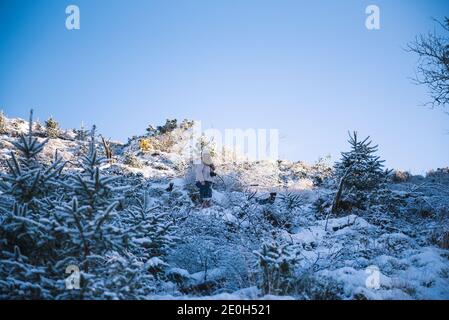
(359, 171)
(52, 128)
(277, 261)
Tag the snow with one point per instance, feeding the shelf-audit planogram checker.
(196, 253)
(251, 293)
(154, 262)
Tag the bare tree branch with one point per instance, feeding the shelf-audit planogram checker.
(433, 64)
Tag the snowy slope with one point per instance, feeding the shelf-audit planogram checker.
(407, 246)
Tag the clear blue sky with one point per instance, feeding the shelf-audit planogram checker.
(309, 68)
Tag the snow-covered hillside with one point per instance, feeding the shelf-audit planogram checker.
(132, 226)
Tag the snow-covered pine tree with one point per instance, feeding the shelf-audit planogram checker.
(26, 230)
(151, 131)
(21, 280)
(123, 276)
(277, 261)
(360, 170)
(169, 126)
(151, 233)
(28, 179)
(87, 218)
(52, 128)
(88, 221)
(81, 134)
(364, 166)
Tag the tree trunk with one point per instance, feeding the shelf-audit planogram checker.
(336, 202)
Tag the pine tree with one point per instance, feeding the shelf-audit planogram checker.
(359, 170)
(151, 131)
(29, 243)
(123, 276)
(21, 280)
(364, 167)
(27, 178)
(52, 128)
(277, 261)
(88, 216)
(50, 219)
(81, 134)
(169, 126)
(151, 233)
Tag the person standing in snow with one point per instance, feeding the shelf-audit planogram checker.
(204, 172)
